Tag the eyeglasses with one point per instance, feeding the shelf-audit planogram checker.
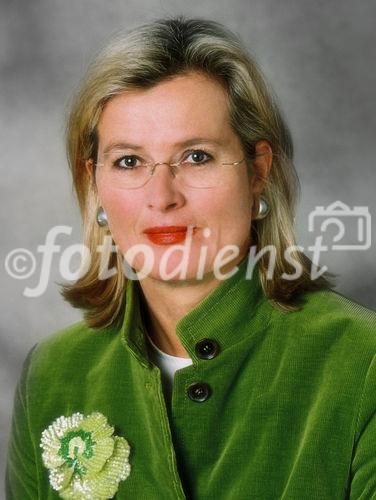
(132, 172)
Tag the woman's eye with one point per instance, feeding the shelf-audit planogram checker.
(128, 161)
(198, 156)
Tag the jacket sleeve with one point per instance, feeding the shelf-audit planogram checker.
(363, 467)
(21, 474)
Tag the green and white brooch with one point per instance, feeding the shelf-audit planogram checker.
(84, 459)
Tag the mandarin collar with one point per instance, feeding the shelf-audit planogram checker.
(234, 308)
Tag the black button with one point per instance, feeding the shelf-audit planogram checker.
(199, 392)
(207, 349)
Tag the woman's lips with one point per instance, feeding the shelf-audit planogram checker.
(167, 235)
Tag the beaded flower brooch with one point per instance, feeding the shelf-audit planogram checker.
(84, 459)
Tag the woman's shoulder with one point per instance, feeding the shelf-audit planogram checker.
(331, 315)
(329, 304)
(70, 348)
(70, 337)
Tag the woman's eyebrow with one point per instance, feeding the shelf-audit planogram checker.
(189, 142)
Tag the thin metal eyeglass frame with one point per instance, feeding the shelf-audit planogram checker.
(152, 166)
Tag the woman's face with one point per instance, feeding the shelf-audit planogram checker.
(154, 124)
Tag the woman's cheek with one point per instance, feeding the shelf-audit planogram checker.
(120, 214)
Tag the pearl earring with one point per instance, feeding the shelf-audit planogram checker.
(263, 209)
(101, 217)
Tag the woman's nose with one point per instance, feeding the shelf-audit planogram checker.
(163, 188)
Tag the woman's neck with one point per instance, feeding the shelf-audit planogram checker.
(164, 303)
(163, 306)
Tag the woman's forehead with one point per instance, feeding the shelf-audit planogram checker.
(178, 110)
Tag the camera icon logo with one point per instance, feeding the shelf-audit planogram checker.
(345, 219)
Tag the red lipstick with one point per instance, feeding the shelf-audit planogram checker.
(167, 235)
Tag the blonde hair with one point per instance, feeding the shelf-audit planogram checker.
(140, 59)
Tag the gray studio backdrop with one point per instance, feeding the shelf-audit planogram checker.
(320, 59)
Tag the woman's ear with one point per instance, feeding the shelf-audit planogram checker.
(261, 166)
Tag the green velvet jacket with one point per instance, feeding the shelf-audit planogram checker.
(284, 409)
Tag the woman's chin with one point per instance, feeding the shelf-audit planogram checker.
(175, 269)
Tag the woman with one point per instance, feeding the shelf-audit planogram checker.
(198, 372)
